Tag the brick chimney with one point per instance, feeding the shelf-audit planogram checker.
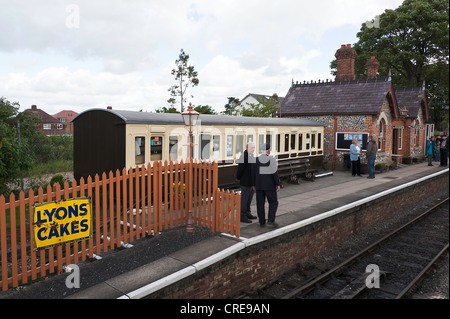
(345, 57)
(34, 107)
(372, 68)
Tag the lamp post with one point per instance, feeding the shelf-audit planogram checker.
(190, 118)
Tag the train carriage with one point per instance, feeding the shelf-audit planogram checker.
(106, 140)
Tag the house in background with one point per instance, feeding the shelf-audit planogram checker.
(66, 118)
(48, 124)
(356, 108)
(255, 99)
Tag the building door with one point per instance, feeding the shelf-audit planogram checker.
(395, 141)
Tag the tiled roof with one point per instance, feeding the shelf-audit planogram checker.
(44, 116)
(411, 98)
(355, 97)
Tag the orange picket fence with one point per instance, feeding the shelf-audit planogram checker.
(126, 206)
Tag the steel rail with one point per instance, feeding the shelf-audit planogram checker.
(348, 262)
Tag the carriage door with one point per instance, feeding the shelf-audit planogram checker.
(156, 148)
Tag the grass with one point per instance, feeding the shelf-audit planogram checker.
(52, 167)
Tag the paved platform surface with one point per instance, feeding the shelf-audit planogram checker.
(155, 261)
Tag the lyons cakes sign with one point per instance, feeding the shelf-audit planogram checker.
(62, 222)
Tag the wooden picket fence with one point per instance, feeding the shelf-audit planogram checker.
(126, 206)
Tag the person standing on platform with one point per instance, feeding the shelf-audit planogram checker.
(266, 183)
(443, 150)
(355, 153)
(371, 155)
(430, 151)
(246, 164)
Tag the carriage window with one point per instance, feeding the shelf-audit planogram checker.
(205, 140)
(308, 141)
(239, 145)
(313, 140)
(292, 141)
(319, 140)
(173, 148)
(261, 141)
(286, 143)
(250, 138)
(189, 148)
(278, 143)
(229, 145)
(300, 141)
(216, 146)
(156, 148)
(139, 150)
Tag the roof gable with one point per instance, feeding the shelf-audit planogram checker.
(413, 99)
(350, 97)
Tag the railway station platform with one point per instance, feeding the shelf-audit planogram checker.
(300, 206)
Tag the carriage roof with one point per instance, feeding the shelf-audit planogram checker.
(133, 117)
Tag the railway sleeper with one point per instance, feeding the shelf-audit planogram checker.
(351, 290)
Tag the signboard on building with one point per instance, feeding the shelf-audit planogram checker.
(345, 139)
(61, 222)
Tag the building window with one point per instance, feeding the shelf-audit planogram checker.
(60, 126)
(47, 126)
(400, 138)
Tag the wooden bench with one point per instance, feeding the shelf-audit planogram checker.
(294, 168)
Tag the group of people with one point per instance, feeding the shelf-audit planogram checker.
(437, 150)
(258, 175)
(371, 154)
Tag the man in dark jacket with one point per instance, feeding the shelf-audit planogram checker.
(246, 164)
(266, 183)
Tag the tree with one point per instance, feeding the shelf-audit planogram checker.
(167, 110)
(186, 76)
(15, 157)
(264, 108)
(231, 105)
(205, 109)
(410, 39)
(411, 42)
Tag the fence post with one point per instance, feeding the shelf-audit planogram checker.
(3, 247)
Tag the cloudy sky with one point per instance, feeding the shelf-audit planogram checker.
(81, 54)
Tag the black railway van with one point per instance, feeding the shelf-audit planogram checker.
(108, 140)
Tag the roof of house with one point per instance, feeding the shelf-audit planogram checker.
(411, 99)
(44, 116)
(68, 114)
(262, 97)
(336, 97)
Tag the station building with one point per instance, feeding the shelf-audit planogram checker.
(351, 107)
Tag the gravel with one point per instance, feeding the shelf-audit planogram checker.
(434, 286)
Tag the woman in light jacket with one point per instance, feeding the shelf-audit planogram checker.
(355, 155)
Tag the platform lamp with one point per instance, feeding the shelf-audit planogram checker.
(190, 118)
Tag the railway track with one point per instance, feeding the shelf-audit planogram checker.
(388, 268)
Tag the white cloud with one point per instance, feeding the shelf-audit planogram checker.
(121, 53)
